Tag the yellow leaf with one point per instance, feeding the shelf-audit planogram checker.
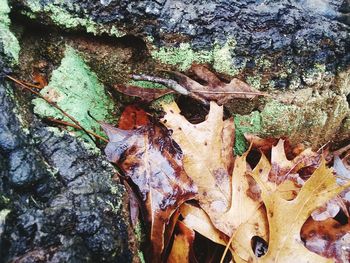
(229, 202)
(196, 219)
(205, 158)
(287, 217)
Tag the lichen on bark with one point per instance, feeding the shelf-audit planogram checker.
(77, 90)
(8, 42)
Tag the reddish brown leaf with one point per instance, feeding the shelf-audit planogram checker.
(153, 161)
(215, 89)
(40, 79)
(134, 205)
(133, 117)
(327, 238)
(182, 246)
(145, 94)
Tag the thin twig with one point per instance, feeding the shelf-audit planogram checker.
(53, 104)
(172, 84)
(31, 85)
(233, 92)
(76, 127)
(342, 150)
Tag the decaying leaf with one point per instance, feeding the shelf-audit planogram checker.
(328, 238)
(286, 218)
(182, 246)
(133, 117)
(342, 172)
(283, 169)
(265, 145)
(145, 94)
(151, 159)
(204, 149)
(215, 89)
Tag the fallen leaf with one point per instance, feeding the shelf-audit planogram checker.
(145, 94)
(328, 238)
(134, 205)
(283, 169)
(342, 172)
(196, 219)
(203, 148)
(151, 159)
(286, 218)
(182, 246)
(215, 89)
(265, 145)
(229, 203)
(133, 117)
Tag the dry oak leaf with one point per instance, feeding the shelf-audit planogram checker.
(152, 160)
(282, 174)
(195, 218)
(228, 201)
(286, 218)
(182, 249)
(215, 89)
(205, 158)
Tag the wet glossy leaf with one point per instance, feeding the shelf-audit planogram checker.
(133, 117)
(328, 238)
(151, 159)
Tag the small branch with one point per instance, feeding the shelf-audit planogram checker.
(342, 150)
(31, 85)
(53, 104)
(233, 92)
(172, 84)
(76, 127)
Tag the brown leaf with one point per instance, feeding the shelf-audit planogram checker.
(145, 94)
(134, 205)
(133, 117)
(182, 246)
(151, 159)
(328, 238)
(215, 89)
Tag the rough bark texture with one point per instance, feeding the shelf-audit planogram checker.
(64, 206)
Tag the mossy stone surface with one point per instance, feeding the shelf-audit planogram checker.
(61, 17)
(77, 90)
(8, 42)
(220, 56)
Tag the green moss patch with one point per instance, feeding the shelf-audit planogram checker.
(220, 56)
(245, 124)
(76, 89)
(8, 42)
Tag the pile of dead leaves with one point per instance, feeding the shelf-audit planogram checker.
(200, 199)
